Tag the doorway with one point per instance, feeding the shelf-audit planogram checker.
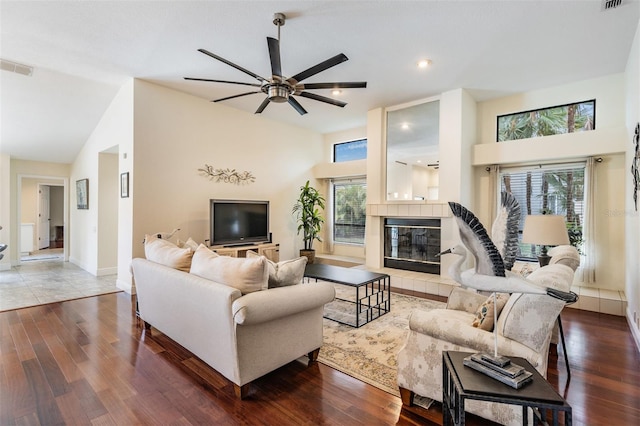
(41, 214)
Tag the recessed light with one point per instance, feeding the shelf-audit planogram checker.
(419, 161)
(336, 92)
(405, 126)
(424, 63)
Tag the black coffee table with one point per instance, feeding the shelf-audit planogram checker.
(373, 292)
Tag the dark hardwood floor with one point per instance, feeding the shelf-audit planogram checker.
(87, 361)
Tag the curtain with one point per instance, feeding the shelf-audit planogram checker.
(588, 257)
(494, 190)
(328, 216)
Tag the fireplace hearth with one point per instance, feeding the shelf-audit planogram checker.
(412, 244)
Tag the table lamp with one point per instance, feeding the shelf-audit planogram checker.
(545, 230)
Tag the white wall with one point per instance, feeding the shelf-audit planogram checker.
(115, 128)
(5, 209)
(631, 216)
(177, 134)
(108, 198)
(607, 141)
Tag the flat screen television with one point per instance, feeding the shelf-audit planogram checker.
(238, 222)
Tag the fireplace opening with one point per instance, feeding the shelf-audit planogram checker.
(412, 244)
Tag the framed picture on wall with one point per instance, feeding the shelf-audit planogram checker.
(124, 185)
(82, 194)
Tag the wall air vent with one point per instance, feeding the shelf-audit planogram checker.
(610, 4)
(15, 67)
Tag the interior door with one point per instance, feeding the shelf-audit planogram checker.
(44, 230)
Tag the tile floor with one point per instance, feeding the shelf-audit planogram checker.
(38, 282)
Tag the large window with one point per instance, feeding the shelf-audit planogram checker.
(349, 211)
(552, 189)
(349, 151)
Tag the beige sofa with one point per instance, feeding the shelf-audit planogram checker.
(524, 328)
(243, 337)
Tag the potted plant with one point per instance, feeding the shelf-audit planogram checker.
(307, 211)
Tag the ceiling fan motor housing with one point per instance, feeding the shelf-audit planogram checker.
(278, 92)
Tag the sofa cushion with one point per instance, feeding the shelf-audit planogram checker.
(484, 313)
(245, 274)
(284, 273)
(167, 253)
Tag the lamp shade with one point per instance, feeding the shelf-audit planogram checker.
(545, 230)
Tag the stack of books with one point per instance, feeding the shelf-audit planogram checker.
(503, 370)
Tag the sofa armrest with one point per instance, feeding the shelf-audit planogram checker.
(267, 305)
(465, 300)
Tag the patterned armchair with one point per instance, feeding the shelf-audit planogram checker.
(524, 329)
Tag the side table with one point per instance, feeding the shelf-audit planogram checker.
(460, 383)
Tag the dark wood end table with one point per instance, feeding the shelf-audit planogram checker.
(460, 383)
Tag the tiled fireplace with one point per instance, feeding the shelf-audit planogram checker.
(412, 244)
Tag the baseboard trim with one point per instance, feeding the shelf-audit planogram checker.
(107, 271)
(125, 286)
(634, 328)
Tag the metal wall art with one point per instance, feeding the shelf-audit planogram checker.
(635, 166)
(227, 175)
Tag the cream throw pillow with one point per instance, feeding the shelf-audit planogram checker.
(245, 274)
(284, 273)
(190, 243)
(166, 253)
(484, 314)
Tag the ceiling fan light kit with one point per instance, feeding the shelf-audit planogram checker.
(280, 89)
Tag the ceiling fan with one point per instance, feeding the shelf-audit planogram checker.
(280, 89)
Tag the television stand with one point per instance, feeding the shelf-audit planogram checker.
(270, 250)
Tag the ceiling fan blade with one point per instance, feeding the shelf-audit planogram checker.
(322, 99)
(297, 106)
(274, 56)
(342, 85)
(263, 105)
(331, 62)
(222, 81)
(238, 67)
(235, 96)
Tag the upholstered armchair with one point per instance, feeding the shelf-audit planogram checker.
(524, 329)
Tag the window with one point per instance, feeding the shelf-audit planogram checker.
(551, 189)
(349, 151)
(349, 211)
(570, 118)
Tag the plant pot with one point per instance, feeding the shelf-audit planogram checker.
(309, 254)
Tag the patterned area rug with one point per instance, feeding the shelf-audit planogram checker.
(369, 353)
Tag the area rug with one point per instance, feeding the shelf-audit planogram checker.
(369, 353)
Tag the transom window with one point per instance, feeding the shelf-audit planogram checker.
(349, 151)
(570, 118)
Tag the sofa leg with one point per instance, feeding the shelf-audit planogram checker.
(313, 355)
(407, 396)
(241, 391)
(147, 326)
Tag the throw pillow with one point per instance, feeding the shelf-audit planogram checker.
(166, 253)
(190, 243)
(484, 314)
(245, 274)
(284, 273)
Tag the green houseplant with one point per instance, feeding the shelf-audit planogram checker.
(307, 211)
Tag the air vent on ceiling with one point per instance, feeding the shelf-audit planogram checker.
(15, 67)
(610, 4)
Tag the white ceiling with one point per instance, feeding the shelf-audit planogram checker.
(83, 51)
